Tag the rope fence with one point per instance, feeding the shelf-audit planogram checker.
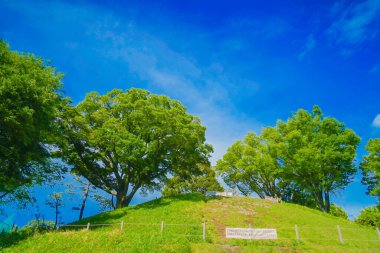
(163, 227)
(298, 233)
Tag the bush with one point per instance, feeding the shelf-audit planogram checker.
(338, 211)
(37, 226)
(369, 216)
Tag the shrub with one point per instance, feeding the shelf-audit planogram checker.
(338, 211)
(369, 216)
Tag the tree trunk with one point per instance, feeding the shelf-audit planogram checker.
(56, 215)
(84, 200)
(327, 201)
(123, 200)
(320, 201)
(120, 199)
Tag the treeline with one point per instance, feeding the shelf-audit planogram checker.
(129, 141)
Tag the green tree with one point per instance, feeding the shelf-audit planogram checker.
(126, 141)
(55, 201)
(84, 189)
(317, 154)
(202, 183)
(369, 216)
(370, 167)
(251, 166)
(29, 104)
(302, 160)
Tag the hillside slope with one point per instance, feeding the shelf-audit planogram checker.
(175, 225)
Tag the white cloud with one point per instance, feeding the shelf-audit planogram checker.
(308, 47)
(375, 69)
(353, 25)
(376, 121)
(205, 88)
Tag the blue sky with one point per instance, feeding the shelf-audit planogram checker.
(238, 65)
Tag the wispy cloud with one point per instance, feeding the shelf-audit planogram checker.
(376, 121)
(308, 47)
(205, 89)
(375, 68)
(204, 86)
(355, 23)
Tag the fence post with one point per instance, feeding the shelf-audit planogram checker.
(162, 227)
(204, 231)
(297, 233)
(340, 235)
(378, 233)
(88, 226)
(122, 225)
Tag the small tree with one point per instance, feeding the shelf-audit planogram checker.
(84, 187)
(250, 166)
(202, 183)
(55, 201)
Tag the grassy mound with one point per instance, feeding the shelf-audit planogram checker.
(183, 231)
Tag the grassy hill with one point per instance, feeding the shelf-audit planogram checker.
(183, 231)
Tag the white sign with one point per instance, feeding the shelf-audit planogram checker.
(221, 194)
(251, 233)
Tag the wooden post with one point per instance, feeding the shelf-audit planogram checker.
(162, 227)
(297, 233)
(122, 225)
(204, 231)
(378, 233)
(88, 226)
(340, 235)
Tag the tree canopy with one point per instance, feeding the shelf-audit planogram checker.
(371, 167)
(250, 166)
(29, 104)
(302, 160)
(126, 141)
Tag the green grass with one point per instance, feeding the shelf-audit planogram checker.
(183, 217)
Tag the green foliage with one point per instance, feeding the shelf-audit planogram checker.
(202, 183)
(371, 168)
(38, 226)
(55, 201)
(29, 104)
(369, 216)
(302, 160)
(126, 141)
(338, 211)
(250, 166)
(317, 153)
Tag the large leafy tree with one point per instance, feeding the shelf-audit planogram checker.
(205, 181)
(251, 166)
(317, 154)
(302, 160)
(126, 141)
(371, 167)
(29, 103)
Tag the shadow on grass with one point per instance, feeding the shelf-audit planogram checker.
(8, 240)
